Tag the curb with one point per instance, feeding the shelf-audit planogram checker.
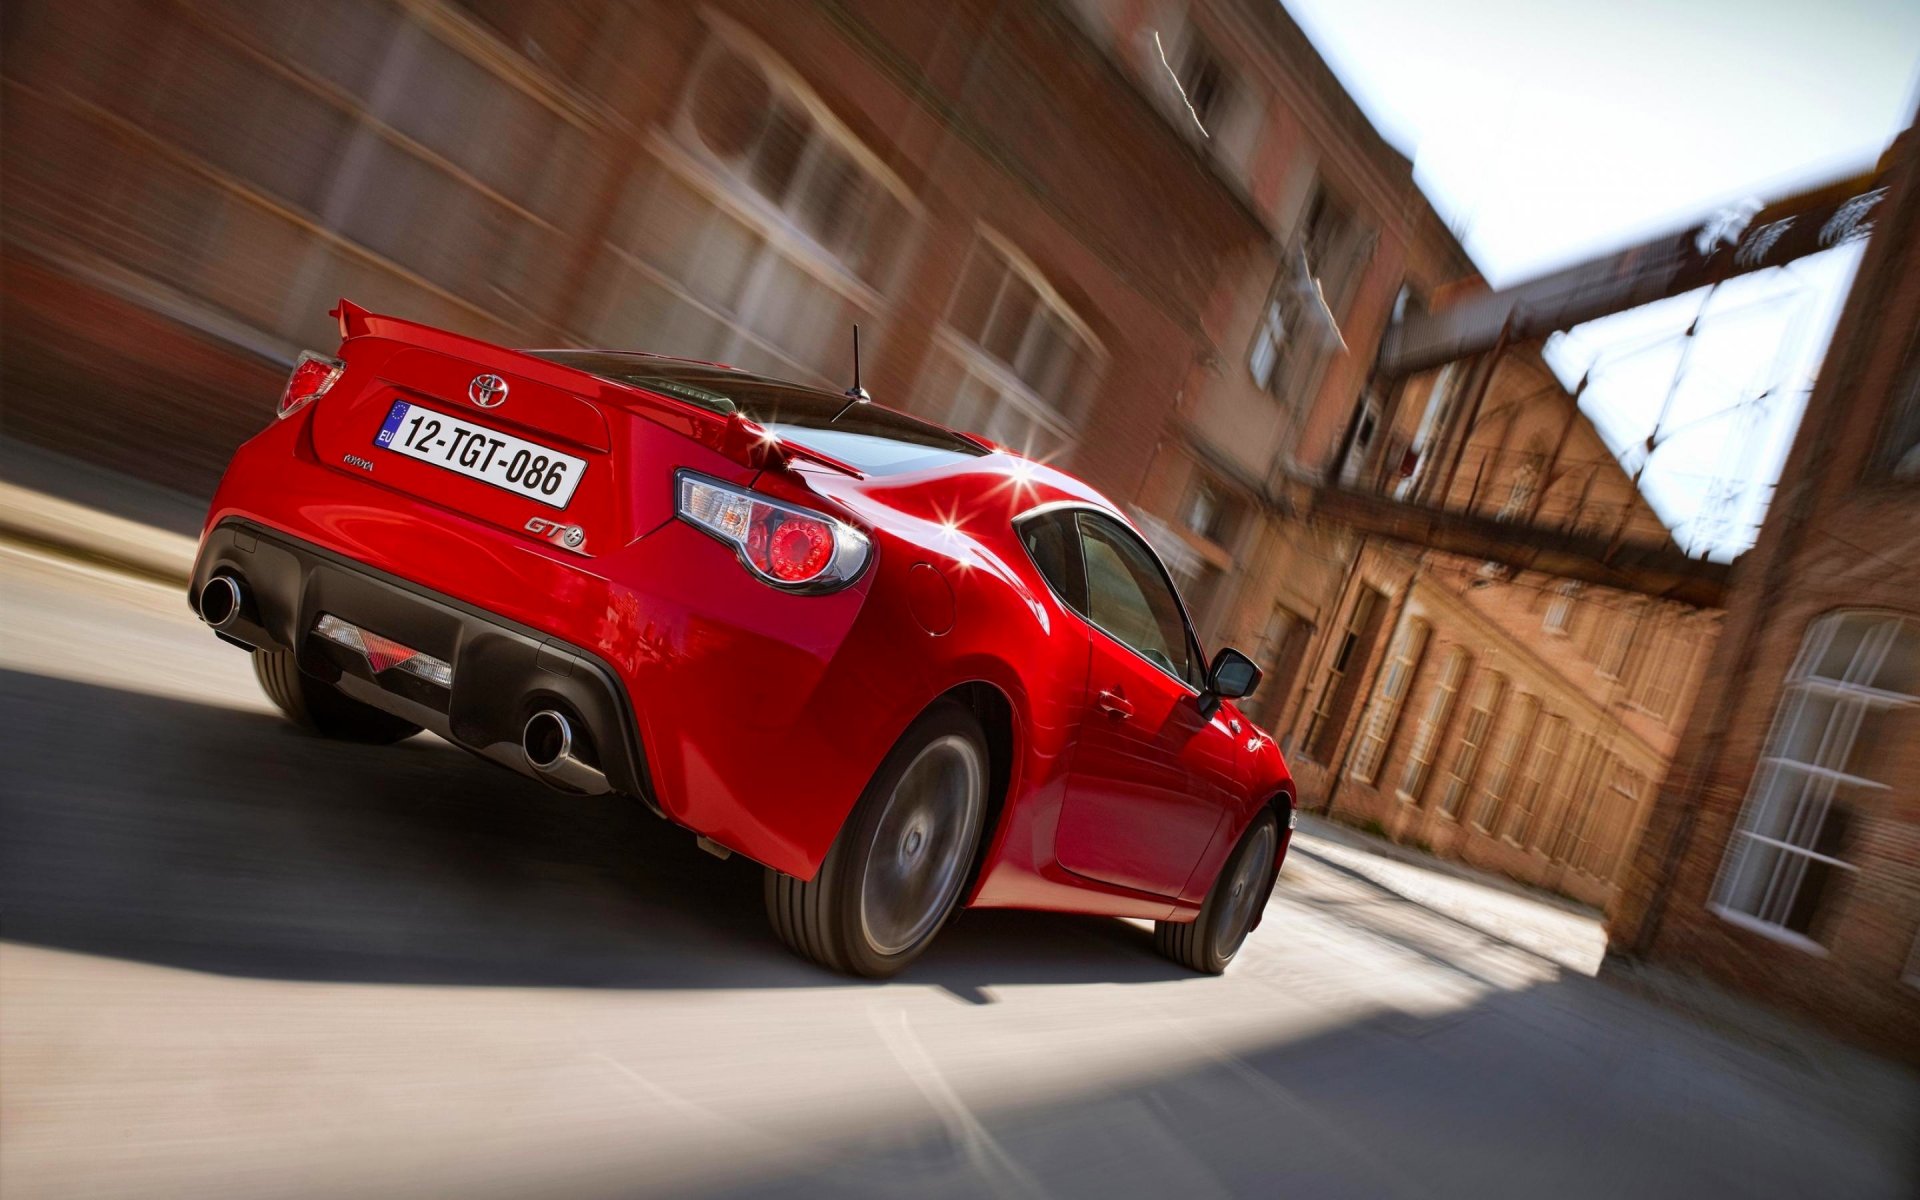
(47, 523)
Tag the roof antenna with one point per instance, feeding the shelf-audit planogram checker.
(855, 394)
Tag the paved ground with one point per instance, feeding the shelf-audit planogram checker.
(242, 963)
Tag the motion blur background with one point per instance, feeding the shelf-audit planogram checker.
(1576, 686)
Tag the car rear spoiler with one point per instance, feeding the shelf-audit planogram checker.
(736, 437)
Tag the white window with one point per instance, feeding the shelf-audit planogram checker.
(1300, 322)
(769, 230)
(1018, 365)
(1433, 722)
(1403, 656)
(1488, 698)
(1856, 675)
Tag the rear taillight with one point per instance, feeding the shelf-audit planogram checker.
(786, 546)
(312, 375)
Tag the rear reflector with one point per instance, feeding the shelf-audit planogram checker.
(383, 654)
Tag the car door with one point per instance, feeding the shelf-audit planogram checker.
(1150, 777)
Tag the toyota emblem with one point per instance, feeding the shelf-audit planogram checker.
(487, 390)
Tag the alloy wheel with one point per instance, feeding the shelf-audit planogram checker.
(917, 860)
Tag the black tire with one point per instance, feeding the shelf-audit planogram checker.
(851, 916)
(319, 708)
(1209, 942)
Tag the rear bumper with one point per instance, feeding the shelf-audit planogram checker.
(503, 672)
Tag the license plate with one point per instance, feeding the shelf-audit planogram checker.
(507, 462)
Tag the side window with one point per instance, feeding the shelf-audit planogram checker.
(1129, 597)
(1055, 549)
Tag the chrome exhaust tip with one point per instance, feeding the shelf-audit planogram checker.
(547, 740)
(221, 601)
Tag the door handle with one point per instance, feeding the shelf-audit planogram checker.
(1113, 704)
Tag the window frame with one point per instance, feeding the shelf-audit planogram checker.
(1381, 719)
(1448, 682)
(1060, 418)
(1539, 773)
(1509, 762)
(1360, 613)
(1078, 512)
(1851, 700)
(1468, 752)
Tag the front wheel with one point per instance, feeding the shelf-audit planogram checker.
(1209, 942)
(898, 868)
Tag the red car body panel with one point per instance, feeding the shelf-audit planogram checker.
(764, 713)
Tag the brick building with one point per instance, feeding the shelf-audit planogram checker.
(1501, 716)
(1782, 857)
(1152, 240)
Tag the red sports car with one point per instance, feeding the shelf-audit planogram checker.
(901, 668)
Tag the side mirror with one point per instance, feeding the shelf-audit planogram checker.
(1232, 676)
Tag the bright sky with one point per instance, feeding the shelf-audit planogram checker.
(1547, 131)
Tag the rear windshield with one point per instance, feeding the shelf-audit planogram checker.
(878, 441)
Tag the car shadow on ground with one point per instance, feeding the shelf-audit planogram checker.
(220, 840)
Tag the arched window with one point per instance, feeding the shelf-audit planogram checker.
(767, 231)
(1017, 364)
(1856, 675)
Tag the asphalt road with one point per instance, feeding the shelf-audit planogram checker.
(239, 962)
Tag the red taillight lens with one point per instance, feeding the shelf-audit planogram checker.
(797, 547)
(312, 375)
(788, 547)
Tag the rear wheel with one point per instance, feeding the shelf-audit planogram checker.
(1209, 942)
(898, 868)
(320, 708)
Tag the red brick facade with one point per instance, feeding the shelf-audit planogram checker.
(1492, 715)
(1782, 858)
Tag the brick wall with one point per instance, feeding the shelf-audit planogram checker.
(1841, 536)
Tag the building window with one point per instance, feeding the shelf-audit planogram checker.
(1488, 698)
(1205, 81)
(767, 233)
(1351, 649)
(1855, 678)
(1580, 837)
(1602, 843)
(1300, 322)
(1901, 450)
(1433, 722)
(1521, 490)
(1616, 642)
(1403, 658)
(1536, 781)
(1559, 616)
(1021, 364)
(1555, 833)
(1506, 765)
(1665, 670)
(1268, 340)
